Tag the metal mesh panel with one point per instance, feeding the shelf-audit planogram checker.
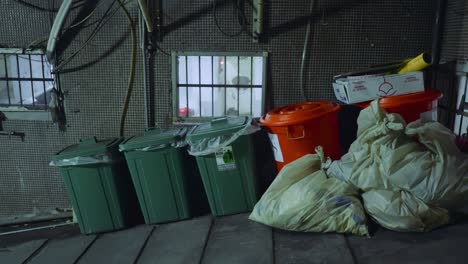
(454, 38)
(348, 34)
(94, 99)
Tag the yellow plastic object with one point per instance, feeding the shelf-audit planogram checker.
(303, 198)
(422, 61)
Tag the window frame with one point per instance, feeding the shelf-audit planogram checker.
(27, 112)
(175, 81)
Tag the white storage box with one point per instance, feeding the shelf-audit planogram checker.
(358, 89)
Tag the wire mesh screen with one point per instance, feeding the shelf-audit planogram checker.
(95, 92)
(347, 34)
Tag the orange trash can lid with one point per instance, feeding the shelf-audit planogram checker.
(405, 99)
(298, 113)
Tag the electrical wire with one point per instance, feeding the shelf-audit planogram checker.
(146, 15)
(304, 51)
(51, 5)
(40, 8)
(66, 61)
(215, 19)
(162, 51)
(240, 17)
(98, 27)
(85, 18)
(35, 43)
(131, 78)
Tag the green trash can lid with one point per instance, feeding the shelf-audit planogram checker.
(218, 127)
(88, 147)
(154, 137)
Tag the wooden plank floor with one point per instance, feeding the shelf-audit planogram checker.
(181, 242)
(235, 239)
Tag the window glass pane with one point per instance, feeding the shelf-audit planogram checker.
(194, 101)
(41, 97)
(49, 85)
(2, 66)
(36, 64)
(12, 68)
(182, 78)
(206, 71)
(219, 101)
(231, 102)
(3, 92)
(193, 70)
(207, 102)
(245, 66)
(245, 101)
(183, 109)
(257, 71)
(257, 102)
(25, 70)
(14, 92)
(231, 69)
(47, 68)
(26, 93)
(219, 67)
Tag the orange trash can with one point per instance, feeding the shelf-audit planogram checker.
(295, 130)
(412, 106)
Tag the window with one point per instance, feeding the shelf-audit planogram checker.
(461, 119)
(207, 85)
(26, 81)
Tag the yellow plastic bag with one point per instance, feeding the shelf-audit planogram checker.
(304, 198)
(410, 174)
(401, 211)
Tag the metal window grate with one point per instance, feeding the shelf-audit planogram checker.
(25, 80)
(218, 84)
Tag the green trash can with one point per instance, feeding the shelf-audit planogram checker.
(164, 176)
(98, 185)
(224, 151)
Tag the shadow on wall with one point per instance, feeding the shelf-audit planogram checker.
(71, 34)
(271, 31)
(101, 57)
(328, 11)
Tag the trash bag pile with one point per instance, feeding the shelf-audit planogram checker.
(405, 177)
(304, 198)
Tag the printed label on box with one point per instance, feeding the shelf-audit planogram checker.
(225, 159)
(276, 147)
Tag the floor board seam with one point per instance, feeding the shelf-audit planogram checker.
(273, 250)
(350, 249)
(35, 252)
(86, 249)
(145, 243)
(207, 238)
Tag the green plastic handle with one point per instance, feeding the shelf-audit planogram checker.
(153, 131)
(219, 121)
(88, 141)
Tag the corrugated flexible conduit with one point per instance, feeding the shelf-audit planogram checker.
(132, 70)
(146, 15)
(304, 50)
